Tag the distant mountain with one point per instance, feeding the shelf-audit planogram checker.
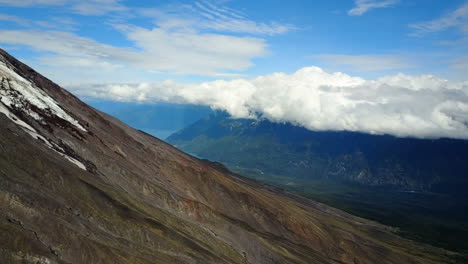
(263, 147)
(160, 120)
(417, 185)
(79, 186)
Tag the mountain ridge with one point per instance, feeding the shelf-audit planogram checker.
(108, 193)
(375, 160)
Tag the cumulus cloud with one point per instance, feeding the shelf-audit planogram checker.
(362, 6)
(418, 106)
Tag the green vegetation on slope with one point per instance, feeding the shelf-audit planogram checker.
(437, 219)
(412, 184)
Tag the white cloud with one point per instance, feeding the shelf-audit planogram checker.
(62, 23)
(418, 106)
(199, 39)
(58, 23)
(200, 15)
(15, 19)
(32, 2)
(179, 52)
(460, 63)
(98, 7)
(79, 62)
(185, 51)
(63, 43)
(204, 15)
(83, 7)
(367, 63)
(362, 6)
(456, 18)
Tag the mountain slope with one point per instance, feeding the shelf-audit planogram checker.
(78, 186)
(375, 160)
(416, 185)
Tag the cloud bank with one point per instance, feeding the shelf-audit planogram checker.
(401, 105)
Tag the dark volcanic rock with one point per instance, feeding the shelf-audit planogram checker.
(78, 186)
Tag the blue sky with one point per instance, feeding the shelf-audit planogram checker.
(396, 67)
(367, 38)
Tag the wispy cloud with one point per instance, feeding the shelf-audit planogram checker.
(204, 15)
(402, 105)
(58, 23)
(180, 52)
(186, 51)
(198, 39)
(98, 7)
(201, 14)
(457, 18)
(83, 7)
(62, 23)
(460, 63)
(362, 6)
(14, 19)
(24, 3)
(367, 63)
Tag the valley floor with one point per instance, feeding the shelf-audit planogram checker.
(436, 219)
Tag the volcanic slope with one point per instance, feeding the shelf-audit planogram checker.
(78, 186)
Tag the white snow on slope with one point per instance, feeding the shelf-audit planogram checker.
(19, 90)
(15, 94)
(31, 131)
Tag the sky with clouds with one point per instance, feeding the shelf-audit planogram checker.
(398, 67)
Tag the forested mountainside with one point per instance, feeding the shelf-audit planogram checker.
(410, 164)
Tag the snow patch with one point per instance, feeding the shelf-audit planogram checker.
(18, 92)
(29, 129)
(33, 133)
(74, 161)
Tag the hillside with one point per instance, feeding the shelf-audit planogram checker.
(371, 160)
(78, 186)
(417, 185)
